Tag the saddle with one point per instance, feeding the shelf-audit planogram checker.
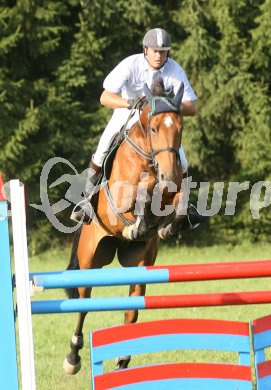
(107, 166)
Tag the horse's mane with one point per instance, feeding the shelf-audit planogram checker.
(158, 87)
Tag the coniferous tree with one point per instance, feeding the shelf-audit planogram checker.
(229, 138)
(55, 54)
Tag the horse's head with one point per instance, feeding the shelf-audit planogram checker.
(163, 122)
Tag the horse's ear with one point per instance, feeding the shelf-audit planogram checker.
(147, 93)
(179, 95)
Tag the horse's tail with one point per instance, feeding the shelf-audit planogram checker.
(74, 264)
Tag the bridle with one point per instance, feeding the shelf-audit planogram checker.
(153, 153)
(165, 105)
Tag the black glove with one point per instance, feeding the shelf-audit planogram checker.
(131, 103)
(137, 103)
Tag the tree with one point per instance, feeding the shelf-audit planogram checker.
(55, 55)
(222, 53)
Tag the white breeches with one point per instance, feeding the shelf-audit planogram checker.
(113, 127)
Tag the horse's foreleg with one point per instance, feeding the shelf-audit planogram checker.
(130, 316)
(171, 228)
(72, 362)
(143, 228)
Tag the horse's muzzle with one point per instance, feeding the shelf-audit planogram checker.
(170, 185)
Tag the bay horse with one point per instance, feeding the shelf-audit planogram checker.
(131, 207)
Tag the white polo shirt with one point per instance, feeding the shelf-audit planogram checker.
(130, 75)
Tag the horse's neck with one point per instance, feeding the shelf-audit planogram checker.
(139, 135)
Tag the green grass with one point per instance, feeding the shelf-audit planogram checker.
(52, 332)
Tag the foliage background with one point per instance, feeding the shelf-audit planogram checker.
(54, 55)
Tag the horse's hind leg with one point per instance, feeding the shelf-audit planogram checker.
(132, 254)
(72, 362)
(81, 258)
(130, 316)
(91, 252)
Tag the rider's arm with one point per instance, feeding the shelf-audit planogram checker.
(113, 100)
(189, 108)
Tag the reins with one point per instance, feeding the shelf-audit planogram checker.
(153, 153)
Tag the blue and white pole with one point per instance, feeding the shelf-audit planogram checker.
(8, 355)
(23, 289)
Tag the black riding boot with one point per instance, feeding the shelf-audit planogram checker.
(192, 219)
(183, 222)
(82, 212)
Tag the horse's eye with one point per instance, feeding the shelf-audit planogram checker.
(153, 130)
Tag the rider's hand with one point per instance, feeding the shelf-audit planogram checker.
(131, 103)
(137, 103)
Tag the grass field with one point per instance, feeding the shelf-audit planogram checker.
(52, 332)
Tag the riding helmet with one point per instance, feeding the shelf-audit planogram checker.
(157, 39)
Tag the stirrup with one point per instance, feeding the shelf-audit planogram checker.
(195, 219)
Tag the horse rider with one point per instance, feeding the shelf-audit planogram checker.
(122, 88)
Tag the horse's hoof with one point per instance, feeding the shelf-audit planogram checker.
(122, 362)
(128, 232)
(71, 369)
(166, 233)
(161, 234)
